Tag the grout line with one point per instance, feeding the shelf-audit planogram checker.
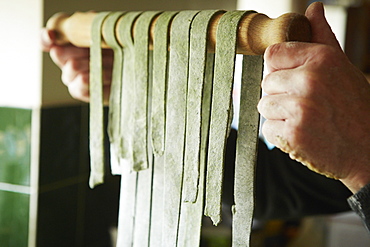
(63, 183)
(15, 188)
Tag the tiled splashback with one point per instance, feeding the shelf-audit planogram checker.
(15, 139)
(68, 213)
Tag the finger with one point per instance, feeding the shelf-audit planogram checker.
(321, 31)
(292, 81)
(287, 55)
(79, 88)
(280, 107)
(72, 68)
(61, 54)
(271, 129)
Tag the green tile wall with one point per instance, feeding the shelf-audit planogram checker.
(15, 136)
(68, 213)
(14, 219)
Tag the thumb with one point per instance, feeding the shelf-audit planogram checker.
(321, 31)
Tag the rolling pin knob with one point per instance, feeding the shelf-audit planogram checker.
(258, 31)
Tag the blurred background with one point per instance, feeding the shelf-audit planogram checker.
(44, 161)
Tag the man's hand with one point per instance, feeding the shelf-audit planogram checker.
(318, 105)
(74, 63)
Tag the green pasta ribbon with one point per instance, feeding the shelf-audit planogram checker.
(158, 124)
(195, 97)
(159, 90)
(197, 126)
(142, 93)
(142, 149)
(96, 103)
(175, 123)
(126, 223)
(128, 87)
(246, 150)
(114, 119)
(226, 38)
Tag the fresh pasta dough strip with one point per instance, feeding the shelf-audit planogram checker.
(141, 81)
(114, 118)
(143, 157)
(221, 110)
(158, 114)
(129, 178)
(160, 69)
(194, 117)
(200, 80)
(175, 123)
(246, 150)
(96, 103)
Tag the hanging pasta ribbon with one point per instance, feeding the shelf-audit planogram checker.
(129, 179)
(158, 124)
(96, 103)
(197, 128)
(114, 121)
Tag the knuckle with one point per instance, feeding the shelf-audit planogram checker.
(299, 111)
(74, 64)
(261, 106)
(310, 82)
(56, 54)
(271, 51)
(293, 133)
(85, 77)
(268, 132)
(325, 55)
(78, 91)
(265, 82)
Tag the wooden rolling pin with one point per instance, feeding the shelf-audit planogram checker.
(257, 31)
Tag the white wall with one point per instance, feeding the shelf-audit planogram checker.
(20, 57)
(272, 8)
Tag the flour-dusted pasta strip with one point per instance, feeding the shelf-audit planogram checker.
(96, 103)
(160, 69)
(114, 118)
(142, 148)
(221, 110)
(128, 88)
(194, 117)
(129, 178)
(175, 123)
(158, 117)
(141, 114)
(198, 113)
(246, 150)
